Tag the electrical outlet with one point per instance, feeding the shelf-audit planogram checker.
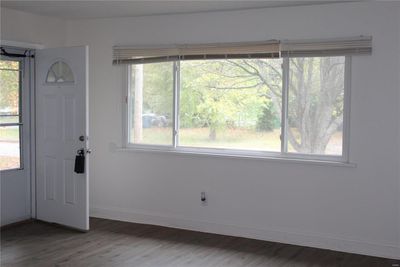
(203, 198)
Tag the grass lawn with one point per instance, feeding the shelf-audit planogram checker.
(9, 134)
(228, 138)
(231, 138)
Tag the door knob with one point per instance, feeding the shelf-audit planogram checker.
(88, 151)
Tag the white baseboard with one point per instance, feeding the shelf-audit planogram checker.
(309, 240)
(7, 221)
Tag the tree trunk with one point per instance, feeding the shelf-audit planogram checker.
(138, 105)
(213, 134)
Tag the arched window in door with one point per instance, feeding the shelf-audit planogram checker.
(60, 72)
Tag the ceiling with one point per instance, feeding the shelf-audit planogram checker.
(109, 9)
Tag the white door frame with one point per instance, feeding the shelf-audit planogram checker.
(32, 85)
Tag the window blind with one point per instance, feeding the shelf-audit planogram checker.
(267, 49)
(327, 47)
(142, 55)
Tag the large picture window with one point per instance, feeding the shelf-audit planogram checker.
(285, 107)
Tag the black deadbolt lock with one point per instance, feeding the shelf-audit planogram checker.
(80, 161)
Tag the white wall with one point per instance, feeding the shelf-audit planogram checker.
(27, 28)
(20, 26)
(398, 106)
(343, 208)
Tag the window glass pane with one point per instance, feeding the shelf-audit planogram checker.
(9, 147)
(9, 92)
(8, 118)
(231, 104)
(59, 72)
(64, 73)
(51, 77)
(151, 92)
(9, 64)
(316, 95)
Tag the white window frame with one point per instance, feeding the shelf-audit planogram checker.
(342, 160)
(21, 114)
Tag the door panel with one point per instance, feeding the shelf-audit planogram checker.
(69, 182)
(61, 118)
(69, 119)
(50, 167)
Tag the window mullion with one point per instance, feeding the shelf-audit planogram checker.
(176, 89)
(285, 101)
(346, 109)
(128, 107)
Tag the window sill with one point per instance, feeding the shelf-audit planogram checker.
(242, 155)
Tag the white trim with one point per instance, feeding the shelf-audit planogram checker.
(21, 44)
(176, 102)
(87, 133)
(25, 134)
(32, 100)
(126, 103)
(346, 109)
(256, 155)
(288, 236)
(285, 104)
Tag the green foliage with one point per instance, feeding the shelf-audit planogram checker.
(268, 119)
(214, 94)
(9, 86)
(157, 88)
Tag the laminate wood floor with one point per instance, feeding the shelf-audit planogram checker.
(115, 243)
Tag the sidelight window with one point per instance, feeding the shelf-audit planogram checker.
(11, 125)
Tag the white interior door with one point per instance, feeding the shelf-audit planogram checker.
(62, 195)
